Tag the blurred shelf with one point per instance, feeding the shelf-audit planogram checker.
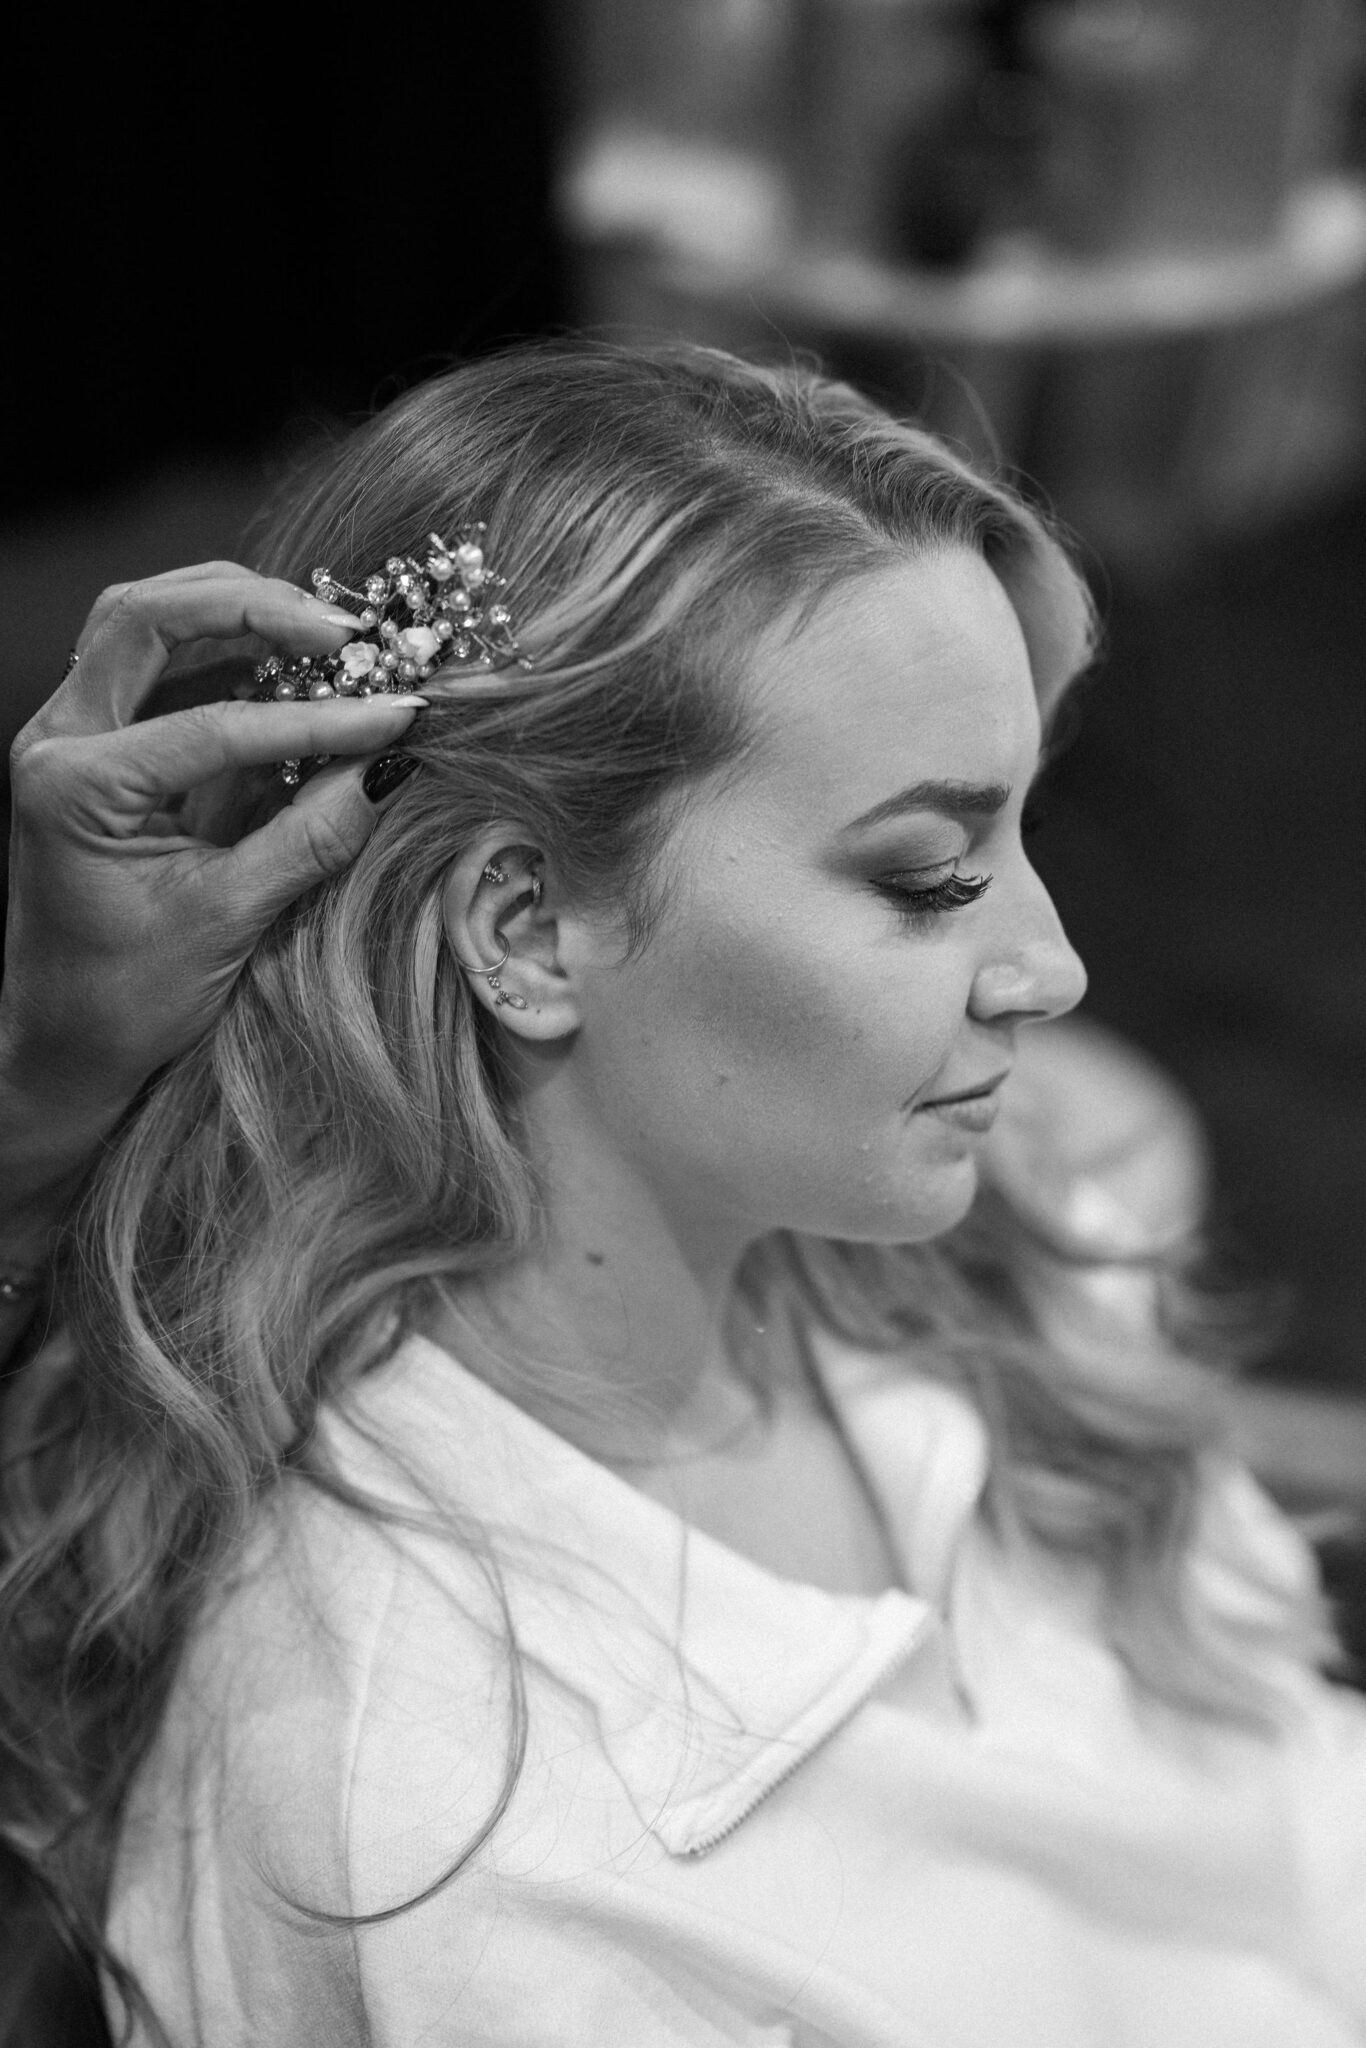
(709, 228)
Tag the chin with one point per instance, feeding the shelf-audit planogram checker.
(941, 1201)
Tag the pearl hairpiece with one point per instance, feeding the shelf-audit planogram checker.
(414, 618)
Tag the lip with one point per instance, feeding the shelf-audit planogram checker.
(967, 1112)
(982, 1093)
(969, 1109)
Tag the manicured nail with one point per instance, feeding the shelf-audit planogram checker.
(381, 700)
(331, 616)
(384, 776)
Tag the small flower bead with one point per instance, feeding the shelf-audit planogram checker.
(417, 643)
(358, 657)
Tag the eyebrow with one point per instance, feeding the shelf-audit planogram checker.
(953, 799)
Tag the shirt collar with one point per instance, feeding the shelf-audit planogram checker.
(710, 1678)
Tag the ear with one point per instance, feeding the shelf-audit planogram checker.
(499, 904)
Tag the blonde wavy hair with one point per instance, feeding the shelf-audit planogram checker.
(345, 1142)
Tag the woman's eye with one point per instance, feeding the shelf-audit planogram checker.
(955, 892)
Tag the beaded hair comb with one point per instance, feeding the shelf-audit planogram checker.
(413, 619)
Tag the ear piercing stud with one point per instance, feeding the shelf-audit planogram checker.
(497, 874)
(491, 975)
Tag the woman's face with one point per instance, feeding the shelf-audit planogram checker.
(786, 1049)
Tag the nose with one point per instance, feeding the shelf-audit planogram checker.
(1034, 973)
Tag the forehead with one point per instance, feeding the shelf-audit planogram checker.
(916, 672)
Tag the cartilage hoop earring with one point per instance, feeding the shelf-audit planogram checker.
(491, 975)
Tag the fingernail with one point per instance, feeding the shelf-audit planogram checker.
(332, 617)
(384, 776)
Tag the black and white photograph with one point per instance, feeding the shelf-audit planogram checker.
(683, 1027)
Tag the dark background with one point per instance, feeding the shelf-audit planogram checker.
(228, 219)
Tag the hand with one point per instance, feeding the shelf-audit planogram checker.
(126, 932)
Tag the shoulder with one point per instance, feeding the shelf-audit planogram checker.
(345, 1669)
(336, 1740)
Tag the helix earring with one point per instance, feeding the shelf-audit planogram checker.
(494, 873)
(491, 975)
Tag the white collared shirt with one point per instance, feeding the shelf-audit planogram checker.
(750, 1811)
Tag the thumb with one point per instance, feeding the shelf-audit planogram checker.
(316, 836)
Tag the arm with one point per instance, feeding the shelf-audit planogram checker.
(47, 1141)
(126, 931)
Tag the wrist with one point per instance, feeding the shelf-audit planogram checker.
(53, 1100)
(47, 1144)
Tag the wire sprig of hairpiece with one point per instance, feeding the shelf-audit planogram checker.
(413, 618)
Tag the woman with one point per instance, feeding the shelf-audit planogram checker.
(566, 1505)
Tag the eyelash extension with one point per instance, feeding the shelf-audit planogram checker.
(954, 893)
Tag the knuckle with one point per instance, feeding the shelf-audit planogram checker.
(116, 600)
(109, 597)
(330, 846)
(37, 767)
(199, 720)
(129, 601)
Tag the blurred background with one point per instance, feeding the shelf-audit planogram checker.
(1117, 248)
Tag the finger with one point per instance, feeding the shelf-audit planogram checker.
(194, 572)
(142, 765)
(132, 645)
(318, 835)
(226, 679)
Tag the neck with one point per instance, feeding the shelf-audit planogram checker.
(616, 1331)
(624, 1307)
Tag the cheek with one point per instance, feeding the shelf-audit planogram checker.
(764, 1006)
(762, 1078)
(761, 1023)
